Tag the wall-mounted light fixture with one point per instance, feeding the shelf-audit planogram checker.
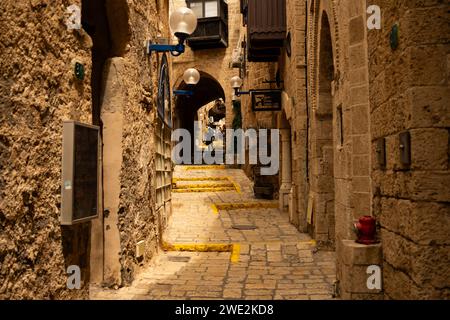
(191, 77)
(183, 23)
(236, 84)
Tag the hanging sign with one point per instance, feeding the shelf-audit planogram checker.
(266, 100)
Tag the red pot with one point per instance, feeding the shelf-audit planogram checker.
(366, 230)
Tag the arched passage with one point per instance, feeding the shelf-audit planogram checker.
(322, 191)
(207, 90)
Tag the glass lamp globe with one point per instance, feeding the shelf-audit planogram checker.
(236, 82)
(191, 76)
(183, 22)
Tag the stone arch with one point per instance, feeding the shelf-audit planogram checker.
(206, 90)
(317, 9)
(321, 215)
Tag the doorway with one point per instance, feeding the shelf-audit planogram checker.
(321, 207)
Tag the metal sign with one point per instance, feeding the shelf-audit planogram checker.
(266, 100)
(80, 172)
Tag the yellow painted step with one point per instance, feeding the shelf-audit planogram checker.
(243, 205)
(211, 167)
(203, 185)
(175, 180)
(234, 249)
(216, 189)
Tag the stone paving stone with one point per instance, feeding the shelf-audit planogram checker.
(275, 260)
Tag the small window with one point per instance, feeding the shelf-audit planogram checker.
(204, 8)
(211, 8)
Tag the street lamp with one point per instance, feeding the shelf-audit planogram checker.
(191, 77)
(236, 83)
(183, 23)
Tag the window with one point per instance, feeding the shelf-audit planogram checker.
(197, 7)
(204, 8)
(211, 8)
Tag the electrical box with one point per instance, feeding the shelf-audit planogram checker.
(405, 148)
(381, 153)
(80, 172)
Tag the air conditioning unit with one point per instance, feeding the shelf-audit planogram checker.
(237, 58)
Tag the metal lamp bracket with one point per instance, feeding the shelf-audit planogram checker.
(174, 49)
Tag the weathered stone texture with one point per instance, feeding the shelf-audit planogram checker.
(409, 90)
(38, 91)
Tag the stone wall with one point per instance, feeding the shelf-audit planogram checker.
(38, 91)
(339, 161)
(137, 76)
(409, 92)
(339, 174)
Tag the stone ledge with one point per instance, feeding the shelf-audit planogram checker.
(359, 254)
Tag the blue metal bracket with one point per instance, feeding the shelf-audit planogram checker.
(174, 49)
(183, 92)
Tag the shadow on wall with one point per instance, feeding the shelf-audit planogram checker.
(76, 243)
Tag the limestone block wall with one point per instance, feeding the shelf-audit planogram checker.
(338, 160)
(409, 92)
(38, 90)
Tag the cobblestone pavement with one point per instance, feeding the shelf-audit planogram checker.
(268, 259)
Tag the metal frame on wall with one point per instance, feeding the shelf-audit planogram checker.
(162, 141)
(164, 104)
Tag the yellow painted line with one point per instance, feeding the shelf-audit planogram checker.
(215, 209)
(205, 185)
(234, 249)
(187, 190)
(246, 205)
(236, 185)
(235, 253)
(198, 247)
(175, 180)
(212, 167)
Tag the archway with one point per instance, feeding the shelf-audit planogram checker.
(321, 211)
(207, 90)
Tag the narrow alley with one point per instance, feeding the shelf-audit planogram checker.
(225, 244)
(224, 149)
